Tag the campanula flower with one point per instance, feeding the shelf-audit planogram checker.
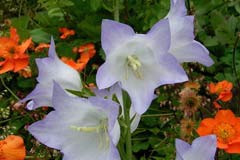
(82, 129)
(183, 46)
(51, 69)
(140, 62)
(202, 148)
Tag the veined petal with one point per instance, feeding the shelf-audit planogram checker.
(52, 69)
(59, 129)
(193, 52)
(113, 34)
(177, 8)
(203, 148)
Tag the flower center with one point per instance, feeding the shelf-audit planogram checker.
(224, 132)
(101, 130)
(135, 65)
(191, 102)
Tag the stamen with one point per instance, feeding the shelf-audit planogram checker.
(134, 63)
(101, 130)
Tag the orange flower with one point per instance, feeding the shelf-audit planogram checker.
(88, 49)
(227, 129)
(66, 32)
(77, 66)
(222, 89)
(41, 47)
(12, 148)
(12, 55)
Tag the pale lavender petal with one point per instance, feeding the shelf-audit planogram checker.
(113, 34)
(159, 37)
(182, 31)
(203, 148)
(181, 148)
(55, 130)
(177, 8)
(110, 108)
(40, 96)
(193, 52)
(105, 76)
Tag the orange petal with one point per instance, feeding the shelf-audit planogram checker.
(206, 126)
(212, 88)
(225, 96)
(20, 64)
(222, 145)
(233, 148)
(7, 66)
(12, 148)
(226, 116)
(216, 105)
(13, 34)
(23, 47)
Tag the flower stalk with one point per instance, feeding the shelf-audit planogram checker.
(234, 60)
(116, 10)
(8, 89)
(128, 137)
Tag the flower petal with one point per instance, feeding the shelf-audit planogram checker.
(203, 148)
(193, 52)
(40, 96)
(106, 76)
(181, 148)
(177, 8)
(113, 34)
(158, 38)
(182, 31)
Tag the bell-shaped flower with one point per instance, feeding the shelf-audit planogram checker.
(183, 46)
(51, 69)
(202, 148)
(140, 62)
(82, 129)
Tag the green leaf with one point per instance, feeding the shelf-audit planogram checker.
(25, 83)
(39, 35)
(20, 22)
(95, 4)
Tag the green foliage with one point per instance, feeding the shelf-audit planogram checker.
(217, 23)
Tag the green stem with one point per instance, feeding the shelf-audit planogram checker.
(128, 139)
(9, 90)
(157, 115)
(234, 61)
(116, 10)
(189, 6)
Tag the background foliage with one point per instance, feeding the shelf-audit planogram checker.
(217, 26)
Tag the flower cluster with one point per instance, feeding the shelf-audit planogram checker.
(12, 55)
